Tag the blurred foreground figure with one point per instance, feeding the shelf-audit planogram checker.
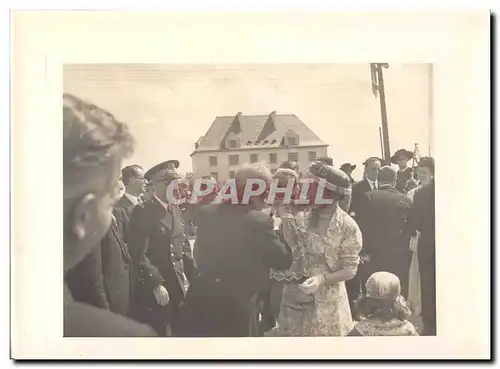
(236, 246)
(94, 144)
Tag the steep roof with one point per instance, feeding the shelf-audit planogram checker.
(256, 131)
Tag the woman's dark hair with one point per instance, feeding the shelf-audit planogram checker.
(427, 162)
(384, 310)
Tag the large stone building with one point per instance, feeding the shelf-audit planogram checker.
(233, 141)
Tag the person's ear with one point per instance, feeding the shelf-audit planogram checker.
(82, 215)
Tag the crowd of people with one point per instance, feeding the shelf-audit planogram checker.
(360, 265)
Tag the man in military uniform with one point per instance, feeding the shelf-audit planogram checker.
(404, 181)
(157, 245)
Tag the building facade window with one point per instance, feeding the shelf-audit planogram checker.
(234, 159)
(233, 144)
(292, 141)
(293, 156)
(231, 173)
(214, 174)
(273, 158)
(312, 155)
(254, 158)
(212, 160)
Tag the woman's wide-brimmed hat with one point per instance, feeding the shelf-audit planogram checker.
(401, 154)
(348, 166)
(336, 180)
(383, 286)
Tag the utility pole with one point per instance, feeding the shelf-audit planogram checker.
(378, 86)
(381, 141)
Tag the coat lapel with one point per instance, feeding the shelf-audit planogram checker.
(164, 217)
(123, 247)
(366, 186)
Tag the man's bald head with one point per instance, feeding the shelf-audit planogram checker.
(387, 175)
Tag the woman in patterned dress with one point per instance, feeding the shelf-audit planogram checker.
(325, 243)
(384, 310)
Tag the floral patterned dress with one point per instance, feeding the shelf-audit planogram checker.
(331, 245)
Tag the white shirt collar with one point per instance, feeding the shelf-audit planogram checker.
(133, 199)
(373, 184)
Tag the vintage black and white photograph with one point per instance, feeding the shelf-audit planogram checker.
(138, 263)
(275, 185)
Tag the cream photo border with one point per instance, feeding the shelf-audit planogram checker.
(456, 43)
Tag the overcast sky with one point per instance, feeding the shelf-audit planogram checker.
(169, 107)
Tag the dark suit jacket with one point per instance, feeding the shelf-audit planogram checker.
(82, 320)
(422, 218)
(123, 211)
(358, 191)
(383, 218)
(157, 256)
(116, 270)
(235, 249)
(240, 243)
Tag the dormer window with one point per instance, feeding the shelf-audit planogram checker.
(265, 142)
(232, 141)
(291, 138)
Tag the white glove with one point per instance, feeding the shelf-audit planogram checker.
(311, 285)
(161, 295)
